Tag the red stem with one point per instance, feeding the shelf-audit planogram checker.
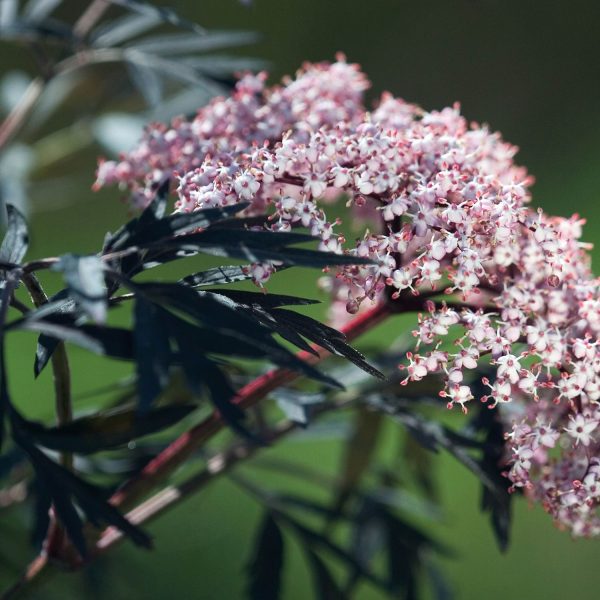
(186, 444)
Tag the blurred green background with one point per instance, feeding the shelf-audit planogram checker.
(530, 70)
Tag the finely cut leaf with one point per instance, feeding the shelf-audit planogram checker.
(106, 430)
(435, 436)
(261, 246)
(166, 15)
(147, 81)
(8, 12)
(325, 585)
(218, 276)
(46, 345)
(226, 317)
(38, 10)
(264, 300)
(122, 29)
(5, 295)
(16, 239)
(266, 566)
(172, 69)
(62, 484)
(201, 372)
(324, 336)
(109, 341)
(146, 231)
(184, 43)
(497, 502)
(152, 351)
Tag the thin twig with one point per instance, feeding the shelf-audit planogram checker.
(62, 388)
(30, 578)
(14, 494)
(92, 14)
(18, 116)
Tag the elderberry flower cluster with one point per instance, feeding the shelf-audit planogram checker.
(450, 219)
(555, 458)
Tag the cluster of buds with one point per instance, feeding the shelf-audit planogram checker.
(449, 218)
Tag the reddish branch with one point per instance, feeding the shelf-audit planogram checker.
(186, 444)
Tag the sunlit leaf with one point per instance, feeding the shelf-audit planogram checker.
(46, 345)
(218, 276)
(297, 406)
(264, 300)
(84, 276)
(115, 342)
(16, 239)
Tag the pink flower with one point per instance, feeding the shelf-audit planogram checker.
(446, 206)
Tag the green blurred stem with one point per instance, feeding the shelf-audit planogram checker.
(60, 367)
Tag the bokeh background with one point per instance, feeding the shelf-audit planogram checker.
(530, 70)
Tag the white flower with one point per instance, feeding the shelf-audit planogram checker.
(246, 186)
(581, 428)
(508, 367)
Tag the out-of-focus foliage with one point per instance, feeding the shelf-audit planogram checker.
(123, 50)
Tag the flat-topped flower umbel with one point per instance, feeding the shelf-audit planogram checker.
(448, 212)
